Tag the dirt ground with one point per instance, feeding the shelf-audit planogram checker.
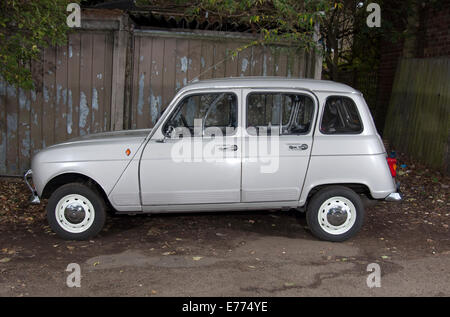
(233, 254)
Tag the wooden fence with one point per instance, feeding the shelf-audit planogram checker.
(418, 120)
(110, 77)
(164, 62)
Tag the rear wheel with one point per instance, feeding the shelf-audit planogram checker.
(335, 213)
(76, 212)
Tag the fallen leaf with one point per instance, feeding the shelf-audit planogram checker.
(197, 258)
(96, 263)
(4, 260)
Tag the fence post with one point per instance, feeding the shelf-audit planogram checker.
(119, 74)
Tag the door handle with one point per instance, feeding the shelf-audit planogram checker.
(228, 147)
(298, 147)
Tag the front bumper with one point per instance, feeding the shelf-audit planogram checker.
(395, 197)
(34, 199)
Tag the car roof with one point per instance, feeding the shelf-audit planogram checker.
(272, 82)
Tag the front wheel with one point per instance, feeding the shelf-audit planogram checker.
(76, 212)
(335, 213)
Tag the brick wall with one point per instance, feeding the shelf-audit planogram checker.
(436, 41)
(386, 73)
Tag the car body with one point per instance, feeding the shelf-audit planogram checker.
(320, 136)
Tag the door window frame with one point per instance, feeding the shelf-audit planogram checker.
(178, 99)
(247, 91)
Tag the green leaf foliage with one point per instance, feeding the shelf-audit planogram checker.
(26, 28)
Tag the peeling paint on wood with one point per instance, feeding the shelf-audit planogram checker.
(74, 84)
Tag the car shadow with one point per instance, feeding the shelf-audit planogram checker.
(290, 224)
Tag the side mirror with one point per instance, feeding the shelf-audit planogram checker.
(169, 131)
(167, 134)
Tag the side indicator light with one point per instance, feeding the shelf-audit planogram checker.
(128, 152)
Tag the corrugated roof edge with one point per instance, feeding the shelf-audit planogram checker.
(275, 82)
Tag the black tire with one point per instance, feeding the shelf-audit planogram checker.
(312, 213)
(92, 196)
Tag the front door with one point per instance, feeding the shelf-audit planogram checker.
(195, 155)
(277, 141)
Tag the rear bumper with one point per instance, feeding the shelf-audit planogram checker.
(34, 199)
(395, 197)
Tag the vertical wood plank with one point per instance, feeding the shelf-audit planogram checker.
(194, 58)
(12, 154)
(24, 130)
(207, 60)
(85, 106)
(283, 62)
(135, 95)
(61, 94)
(169, 71)
(156, 79)
(3, 127)
(73, 85)
(231, 69)
(36, 107)
(145, 60)
(182, 63)
(220, 59)
(244, 62)
(98, 83)
(107, 82)
(48, 113)
(257, 60)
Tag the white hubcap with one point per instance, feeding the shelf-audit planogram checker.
(75, 213)
(337, 215)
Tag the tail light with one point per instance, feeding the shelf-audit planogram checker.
(392, 162)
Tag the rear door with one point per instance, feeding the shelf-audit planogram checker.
(277, 141)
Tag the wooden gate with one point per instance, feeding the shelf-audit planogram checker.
(110, 77)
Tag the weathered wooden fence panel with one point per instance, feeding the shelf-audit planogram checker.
(164, 62)
(72, 97)
(418, 120)
(82, 88)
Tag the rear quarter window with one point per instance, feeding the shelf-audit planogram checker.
(340, 116)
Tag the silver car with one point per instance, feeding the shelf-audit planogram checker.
(226, 144)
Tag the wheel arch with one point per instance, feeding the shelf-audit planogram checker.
(72, 177)
(359, 188)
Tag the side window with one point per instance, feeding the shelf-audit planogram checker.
(197, 113)
(279, 113)
(340, 116)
